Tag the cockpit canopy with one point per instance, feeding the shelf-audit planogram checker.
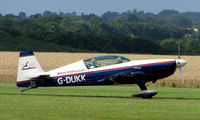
(105, 60)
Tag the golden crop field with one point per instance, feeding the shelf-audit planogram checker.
(52, 60)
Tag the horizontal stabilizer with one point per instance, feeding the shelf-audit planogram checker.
(41, 77)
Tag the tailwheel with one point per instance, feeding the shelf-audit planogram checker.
(32, 86)
(23, 90)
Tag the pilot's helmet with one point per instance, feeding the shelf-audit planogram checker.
(119, 60)
(94, 61)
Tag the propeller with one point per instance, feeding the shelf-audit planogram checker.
(179, 52)
(181, 74)
(179, 64)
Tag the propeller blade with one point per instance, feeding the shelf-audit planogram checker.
(181, 74)
(179, 52)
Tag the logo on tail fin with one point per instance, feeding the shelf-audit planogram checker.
(28, 66)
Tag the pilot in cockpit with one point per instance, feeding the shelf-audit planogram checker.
(119, 60)
(93, 63)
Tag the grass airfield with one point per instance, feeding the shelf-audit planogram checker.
(98, 103)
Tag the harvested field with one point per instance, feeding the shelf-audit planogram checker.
(52, 60)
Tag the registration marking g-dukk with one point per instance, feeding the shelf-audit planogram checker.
(71, 79)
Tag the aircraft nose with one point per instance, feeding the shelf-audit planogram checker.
(180, 63)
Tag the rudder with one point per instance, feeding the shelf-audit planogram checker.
(28, 67)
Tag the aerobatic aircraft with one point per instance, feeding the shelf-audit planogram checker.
(99, 70)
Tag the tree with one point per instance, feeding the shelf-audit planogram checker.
(169, 46)
(22, 15)
(127, 17)
(109, 15)
(147, 45)
(193, 46)
(113, 32)
(45, 13)
(87, 17)
(166, 13)
(179, 20)
(35, 16)
(11, 16)
(49, 18)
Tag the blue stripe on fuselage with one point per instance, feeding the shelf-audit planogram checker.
(81, 79)
(24, 84)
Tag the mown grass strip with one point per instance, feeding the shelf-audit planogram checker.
(97, 103)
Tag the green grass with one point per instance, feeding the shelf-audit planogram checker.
(97, 103)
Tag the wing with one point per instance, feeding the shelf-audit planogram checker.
(125, 77)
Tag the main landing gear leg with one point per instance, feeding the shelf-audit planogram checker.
(142, 85)
(144, 92)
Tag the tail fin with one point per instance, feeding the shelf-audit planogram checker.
(28, 67)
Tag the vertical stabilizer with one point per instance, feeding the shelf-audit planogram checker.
(28, 67)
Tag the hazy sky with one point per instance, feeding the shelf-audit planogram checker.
(95, 6)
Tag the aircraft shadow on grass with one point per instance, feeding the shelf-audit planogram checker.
(96, 96)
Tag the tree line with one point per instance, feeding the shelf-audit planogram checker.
(127, 32)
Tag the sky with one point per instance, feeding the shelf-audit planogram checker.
(95, 6)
